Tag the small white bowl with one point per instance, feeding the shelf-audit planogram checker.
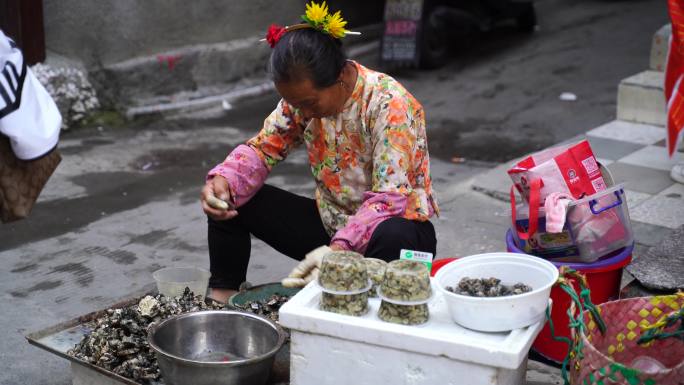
(497, 314)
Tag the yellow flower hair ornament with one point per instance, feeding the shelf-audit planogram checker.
(317, 17)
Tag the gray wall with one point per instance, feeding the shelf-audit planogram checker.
(119, 41)
(101, 32)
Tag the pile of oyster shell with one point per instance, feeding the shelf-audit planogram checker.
(487, 287)
(118, 339)
(268, 307)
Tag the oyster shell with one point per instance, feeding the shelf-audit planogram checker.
(267, 308)
(118, 339)
(487, 287)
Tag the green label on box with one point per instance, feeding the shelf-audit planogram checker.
(418, 256)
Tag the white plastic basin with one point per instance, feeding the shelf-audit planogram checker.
(496, 314)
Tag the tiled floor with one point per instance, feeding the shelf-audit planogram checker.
(640, 179)
(674, 191)
(635, 154)
(630, 132)
(613, 149)
(653, 157)
(660, 210)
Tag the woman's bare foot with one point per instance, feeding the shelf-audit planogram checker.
(220, 295)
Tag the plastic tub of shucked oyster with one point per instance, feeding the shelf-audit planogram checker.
(376, 272)
(344, 281)
(405, 293)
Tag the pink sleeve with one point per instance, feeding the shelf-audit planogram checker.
(245, 172)
(376, 207)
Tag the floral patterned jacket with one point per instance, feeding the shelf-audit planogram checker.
(370, 162)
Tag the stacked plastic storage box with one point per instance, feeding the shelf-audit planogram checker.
(596, 240)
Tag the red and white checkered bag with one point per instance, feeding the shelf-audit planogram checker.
(571, 169)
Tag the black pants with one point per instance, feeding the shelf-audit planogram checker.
(291, 224)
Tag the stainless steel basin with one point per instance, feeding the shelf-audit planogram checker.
(216, 347)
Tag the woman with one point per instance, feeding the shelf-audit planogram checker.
(367, 147)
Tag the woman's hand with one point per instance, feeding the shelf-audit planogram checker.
(307, 270)
(217, 189)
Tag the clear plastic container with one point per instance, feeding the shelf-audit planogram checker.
(343, 271)
(172, 281)
(405, 292)
(404, 314)
(348, 304)
(595, 227)
(600, 224)
(406, 281)
(345, 284)
(376, 272)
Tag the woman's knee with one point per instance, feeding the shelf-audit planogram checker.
(394, 234)
(393, 230)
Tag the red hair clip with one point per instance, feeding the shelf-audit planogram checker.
(275, 32)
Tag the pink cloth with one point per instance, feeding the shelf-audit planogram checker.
(376, 207)
(246, 173)
(556, 208)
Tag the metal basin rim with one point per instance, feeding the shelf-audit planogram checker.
(281, 340)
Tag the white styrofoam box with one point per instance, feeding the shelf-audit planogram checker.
(328, 348)
(641, 99)
(659, 47)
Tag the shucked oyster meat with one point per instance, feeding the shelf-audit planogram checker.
(406, 281)
(352, 304)
(404, 314)
(487, 287)
(376, 271)
(343, 271)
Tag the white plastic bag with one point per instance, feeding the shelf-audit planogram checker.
(28, 115)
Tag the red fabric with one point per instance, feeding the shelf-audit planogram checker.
(275, 32)
(674, 93)
(535, 186)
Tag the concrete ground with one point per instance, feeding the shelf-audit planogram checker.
(124, 201)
